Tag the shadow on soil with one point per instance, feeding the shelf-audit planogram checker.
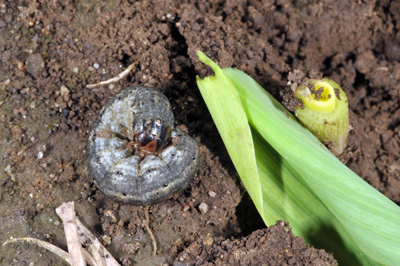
(342, 254)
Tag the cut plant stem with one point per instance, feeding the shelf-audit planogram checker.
(325, 112)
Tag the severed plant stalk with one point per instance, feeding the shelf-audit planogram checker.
(323, 110)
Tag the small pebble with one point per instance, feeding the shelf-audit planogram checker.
(21, 66)
(106, 239)
(208, 241)
(203, 208)
(96, 66)
(212, 194)
(64, 90)
(40, 155)
(34, 64)
(65, 112)
(186, 207)
(111, 216)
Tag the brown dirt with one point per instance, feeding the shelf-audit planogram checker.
(51, 49)
(276, 244)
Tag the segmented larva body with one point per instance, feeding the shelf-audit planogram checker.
(134, 153)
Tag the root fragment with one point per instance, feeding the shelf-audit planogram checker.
(114, 79)
(146, 223)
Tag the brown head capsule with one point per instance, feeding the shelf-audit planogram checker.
(134, 153)
(151, 136)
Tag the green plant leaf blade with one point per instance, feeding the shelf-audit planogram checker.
(223, 101)
(371, 222)
(276, 188)
(287, 197)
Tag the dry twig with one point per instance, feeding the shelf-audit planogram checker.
(95, 248)
(67, 214)
(94, 253)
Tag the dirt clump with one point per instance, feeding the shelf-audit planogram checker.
(274, 246)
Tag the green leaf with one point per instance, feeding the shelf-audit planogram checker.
(370, 219)
(291, 176)
(235, 131)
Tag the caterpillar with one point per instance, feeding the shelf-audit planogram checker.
(135, 154)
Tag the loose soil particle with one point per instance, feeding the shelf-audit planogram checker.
(51, 49)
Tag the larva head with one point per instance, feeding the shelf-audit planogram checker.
(151, 136)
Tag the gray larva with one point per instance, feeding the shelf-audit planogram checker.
(134, 153)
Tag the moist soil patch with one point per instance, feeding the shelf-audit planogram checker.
(50, 51)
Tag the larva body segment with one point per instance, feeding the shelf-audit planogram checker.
(134, 153)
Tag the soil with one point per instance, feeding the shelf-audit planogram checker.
(273, 246)
(50, 50)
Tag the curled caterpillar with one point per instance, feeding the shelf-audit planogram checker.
(135, 154)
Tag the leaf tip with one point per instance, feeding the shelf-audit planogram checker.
(201, 55)
(206, 60)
